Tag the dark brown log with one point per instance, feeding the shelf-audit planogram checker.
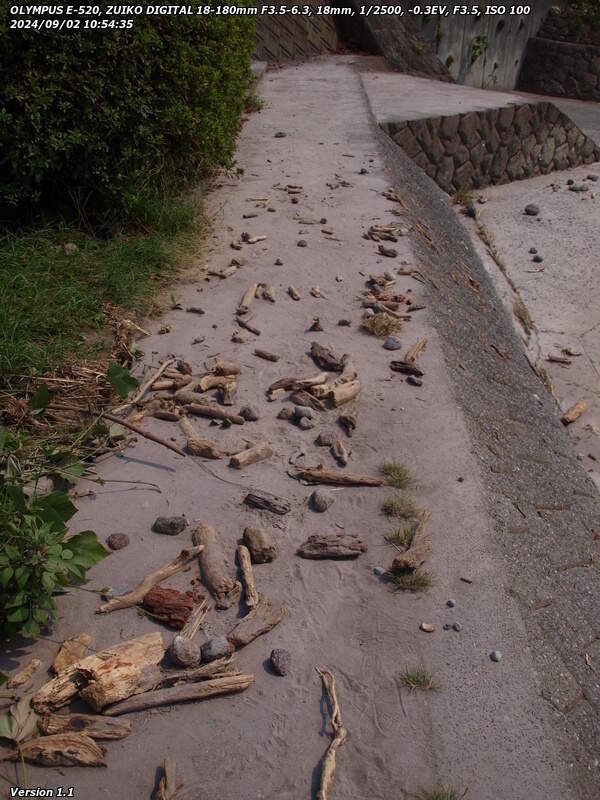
(260, 620)
(93, 725)
(216, 575)
(267, 502)
(169, 606)
(418, 550)
(335, 546)
(406, 369)
(319, 475)
(212, 412)
(325, 357)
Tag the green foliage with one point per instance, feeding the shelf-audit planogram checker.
(396, 474)
(37, 557)
(478, 47)
(90, 119)
(121, 380)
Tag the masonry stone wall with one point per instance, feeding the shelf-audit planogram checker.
(294, 38)
(561, 68)
(492, 146)
(571, 25)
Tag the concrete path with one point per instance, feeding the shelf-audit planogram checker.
(487, 728)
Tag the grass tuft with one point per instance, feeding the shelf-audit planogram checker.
(396, 474)
(400, 505)
(416, 581)
(523, 315)
(253, 102)
(401, 537)
(381, 324)
(419, 679)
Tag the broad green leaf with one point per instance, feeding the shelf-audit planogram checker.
(11, 552)
(5, 576)
(18, 498)
(3, 678)
(121, 380)
(48, 581)
(41, 399)
(55, 508)
(31, 629)
(20, 615)
(70, 470)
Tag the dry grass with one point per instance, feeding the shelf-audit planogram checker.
(419, 679)
(416, 581)
(522, 314)
(401, 537)
(396, 474)
(381, 324)
(401, 506)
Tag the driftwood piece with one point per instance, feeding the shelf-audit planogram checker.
(293, 293)
(143, 433)
(303, 398)
(95, 726)
(169, 785)
(267, 502)
(336, 546)
(62, 750)
(266, 355)
(214, 669)
(226, 368)
(209, 382)
(71, 650)
(348, 375)
(263, 617)
(339, 452)
(268, 293)
(212, 412)
(194, 621)
(119, 667)
(196, 445)
(406, 369)
(169, 606)
(413, 352)
(151, 580)
(246, 301)
(183, 693)
(166, 414)
(418, 550)
(348, 423)
(213, 566)
(24, 675)
(183, 396)
(325, 357)
(296, 384)
(247, 576)
(573, 413)
(261, 544)
(253, 454)
(145, 386)
(333, 478)
(339, 736)
(246, 325)
(228, 394)
(344, 393)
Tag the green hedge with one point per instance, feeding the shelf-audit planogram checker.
(89, 119)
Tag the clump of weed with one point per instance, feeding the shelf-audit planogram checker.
(401, 537)
(415, 581)
(396, 474)
(419, 679)
(252, 103)
(522, 314)
(381, 324)
(400, 505)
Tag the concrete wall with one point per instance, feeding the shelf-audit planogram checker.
(294, 38)
(498, 145)
(507, 35)
(562, 69)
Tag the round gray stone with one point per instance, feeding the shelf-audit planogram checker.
(281, 661)
(303, 411)
(117, 541)
(321, 500)
(496, 655)
(537, 259)
(184, 653)
(392, 343)
(450, 603)
(170, 526)
(249, 413)
(219, 647)
(302, 243)
(532, 210)
(305, 423)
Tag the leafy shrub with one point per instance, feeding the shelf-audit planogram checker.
(91, 120)
(37, 558)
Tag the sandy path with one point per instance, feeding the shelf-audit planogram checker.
(486, 728)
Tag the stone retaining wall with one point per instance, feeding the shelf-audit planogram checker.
(479, 148)
(571, 26)
(561, 68)
(294, 38)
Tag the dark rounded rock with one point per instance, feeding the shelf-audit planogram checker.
(249, 414)
(538, 259)
(281, 661)
(414, 381)
(533, 250)
(392, 343)
(170, 526)
(280, 135)
(496, 655)
(324, 439)
(345, 322)
(323, 220)
(278, 262)
(219, 647)
(320, 500)
(592, 178)
(532, 210)
(457, 627)
(302, 243)
(117, 541)
(184, 653)
(570, 182)
(285, 413)
(451, 603)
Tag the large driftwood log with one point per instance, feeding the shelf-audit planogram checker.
(267, 502)
(196, 445)
(325, 357)
(214, 669)
(335, 546)
(62, 750)
(261, 544)
(260, 620)
(209, 382)
(184, 693)
(95, 726)
(253, 454)
(349, 373)
(295, 384)
(247, 576)
(340, 735)
(141, 432)
(119, 667)
(153, 579)
(212, 412)
(71, 650)
(213, 566)
(169, 606)
(303, 398)
(418, 550)
(333, 478)
(344, 393)
(185, 396)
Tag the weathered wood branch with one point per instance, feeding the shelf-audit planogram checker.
(247, 576)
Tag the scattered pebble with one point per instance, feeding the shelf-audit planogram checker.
(302, 243)
(285, 413)
(379, 571)
(219, 647)
(538, 259)
(323, 220)
(278, 262)
(457, 627)
(496, 655)
(117, 541)
(592, 178)
(392, 343)
(345, 322)
(305, 423)
(466, 579)
(579, 187)
(369, 312)
(533, 250)
(324, 439)
(321, 500)
(249, 413)
(427, 627)
(532, 210)
(280, 135)
(570, 182)
(451, 603)
(281, 661)
(184, 653)
(170, 526)
(447, 626)
(460, 479)
(303, 411)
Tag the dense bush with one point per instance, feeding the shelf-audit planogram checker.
(90, 120)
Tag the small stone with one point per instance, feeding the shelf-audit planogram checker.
(532, 210)
(363, 171)
(457, 627)
(472, 212)
(285, 413)
(305, 423)
(249, 414)
(427, 627)
(450, 603)
(324, 439)
(184, 653)
(219, 647)
(466, 579)
(369, 312)
(460, 479)
(533, 250)
(295, 201)
(321, 500)
(316, 325)
(117, 541)
(447, 626)
(392, 343)
(593, 178)
(323, 220)
(170, 526)
(271, 209)
(345, 323)
(570, 182)
(579, 187)
(302, 243)
(414, 381)
(496, 655)
(538, 259)
(379, 571)
(303, 411)
(280, 135)
(278, 262)
(281, 661)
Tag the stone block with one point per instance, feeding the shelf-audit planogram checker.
(561, 157)
(516, 167)
(523, 120)
(406, 140)
(463, 176)
(461, 156)
(445, 173)
(498, 167)
(449, 126)
(547, 153)
(470, 129)
(506, 116)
